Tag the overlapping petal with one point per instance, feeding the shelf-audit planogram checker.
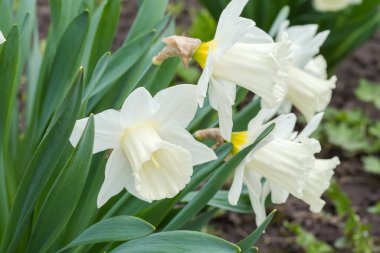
(107, 130)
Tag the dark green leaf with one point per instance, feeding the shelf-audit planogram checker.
(120, 228)
(64, 194)
(247, 243)
(45, 157)
(177, 241)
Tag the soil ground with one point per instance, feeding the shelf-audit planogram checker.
(362, 188)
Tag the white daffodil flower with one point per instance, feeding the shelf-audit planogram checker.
(2, 39)
(287, 163)
(333, 5)
(153, 154)
(241, 54)
(309, 90)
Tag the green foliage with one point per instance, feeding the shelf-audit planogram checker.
(375, 209)
(356, 234)
(48, 189)
(179, 241)
(371, 164)
(203, 27)
(247, 243)
(369, 92)
(308, 240)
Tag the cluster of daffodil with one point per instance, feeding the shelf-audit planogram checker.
(153, 153)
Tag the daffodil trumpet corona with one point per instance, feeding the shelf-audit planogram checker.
(152, 153)
(286, 163)
(240, 54)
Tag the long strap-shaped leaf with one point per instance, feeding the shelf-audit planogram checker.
(120, 228)
(178, 241)
(8, 92)
(213, 185)
(64, 194)
(247, 243)
(39, 168)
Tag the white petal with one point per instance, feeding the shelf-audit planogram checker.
(204, 79)
(311, 126)
(308, 93)
(286, 163)
(260, 68)
(222, 97)
(318, 181)
(200, 153)
(285, 125)
(278, 195)
(2, 39)
(116, 175)
(137, 108)
(231, 12)
(255, 36)
(232, 32)
(178, 105)
(255, 191)
(107, 130)
(237, 184)
(165, 174)
(317, 67)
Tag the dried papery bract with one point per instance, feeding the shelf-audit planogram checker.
(177, 46)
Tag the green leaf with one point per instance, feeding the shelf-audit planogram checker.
(120, 228)
(213, 185)
(203, 26)
(64, 195)
(122, 61)
(177, 241)
(149, 14)
(375, 209)
(101, 33)
(369, 92)
(97, 74)
(9, 56)
(308, 240)
(64, 66)
(220, 200)
(247, 243)
(44, 159)
(372, 164)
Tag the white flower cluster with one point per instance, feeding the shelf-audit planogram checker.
(153, 154)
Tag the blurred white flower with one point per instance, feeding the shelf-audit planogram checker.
(153, 154)
(309, 90)
(241, 54)
(286, 161)
(2, 39)
(333, 5)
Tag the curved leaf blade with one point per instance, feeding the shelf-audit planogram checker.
(120, 228)
(64, 195)
(178, 241)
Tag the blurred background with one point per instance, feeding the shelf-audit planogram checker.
(350, 221)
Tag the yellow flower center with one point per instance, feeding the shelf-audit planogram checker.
(238, 140)
(201, 53)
